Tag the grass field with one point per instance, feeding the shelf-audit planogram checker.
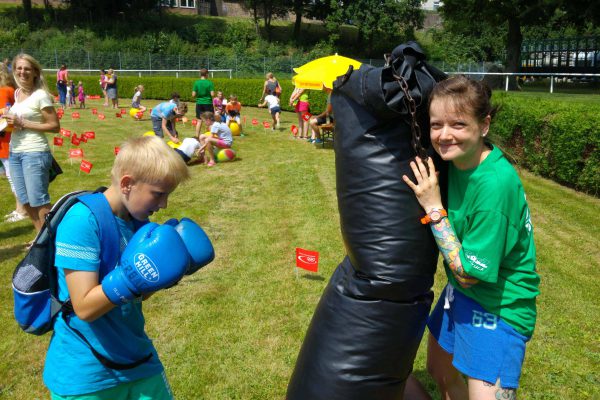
(233, 330)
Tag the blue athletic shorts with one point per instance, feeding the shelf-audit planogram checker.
(30, 173)
(483, 346)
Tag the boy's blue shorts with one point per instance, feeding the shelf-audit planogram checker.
(484, 347)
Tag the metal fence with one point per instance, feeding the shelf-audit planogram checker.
(244, 65)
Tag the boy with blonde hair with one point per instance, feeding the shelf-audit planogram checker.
(100, 350)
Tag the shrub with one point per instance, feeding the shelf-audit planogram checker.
(248, 91)
(556, 140)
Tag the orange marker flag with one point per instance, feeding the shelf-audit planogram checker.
(307, 259)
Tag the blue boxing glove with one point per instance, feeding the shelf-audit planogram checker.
(155, 258)
(196, 241)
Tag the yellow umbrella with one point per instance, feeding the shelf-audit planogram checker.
(322, 72)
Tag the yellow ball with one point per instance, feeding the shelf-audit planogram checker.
(173, 144)
(235, 129)
(149, 133)
(133, 112)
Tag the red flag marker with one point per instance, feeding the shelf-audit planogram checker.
(254, 121)
(307, 259)
(101, 116)
(294, 130)
(266, 125)
(139, 115)
(95, 111)
(75, 115)
(194, 122)
(118, 115)
(85, 166)
(76, 153)
(117, 149)
(83, 138)
(75, 141)
(65, 132)
(58, 141)
(306, 116)
(90, 134)
(123, 111)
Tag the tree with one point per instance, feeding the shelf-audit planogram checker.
(514, 14)
(384, 19)
(267, 9)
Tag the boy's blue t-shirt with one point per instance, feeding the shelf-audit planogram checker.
(164, 110)
(71, 368)
(223, 132)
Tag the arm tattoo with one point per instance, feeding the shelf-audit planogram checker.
(506, 394)
(449, 246)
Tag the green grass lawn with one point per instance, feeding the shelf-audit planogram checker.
(233, 329)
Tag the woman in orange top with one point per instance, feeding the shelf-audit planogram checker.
(7, 98)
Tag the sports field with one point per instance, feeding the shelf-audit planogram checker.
(233, 329)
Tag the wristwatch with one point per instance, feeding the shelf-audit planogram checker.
(434, 216)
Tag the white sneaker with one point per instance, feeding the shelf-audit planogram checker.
(277, 125)
(10, 214)
(16, 217)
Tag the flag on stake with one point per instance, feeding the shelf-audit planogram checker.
(306, 116)
(76, 153)
(83, 138)
(294, 130)
(95, 111)
(266, 125)
(65, 132)
(307, 259)
(85, 166)
(75, 140)
(118, 115)
(75, 115)
(117, 149)
(58, 141)
(90, 134)
(123, 111)
(194, 122)
(254, 121)
(101, 116)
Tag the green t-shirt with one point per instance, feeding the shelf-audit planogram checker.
(203, 87)
(489, 213)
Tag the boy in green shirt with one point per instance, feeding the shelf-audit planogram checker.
(203, 91)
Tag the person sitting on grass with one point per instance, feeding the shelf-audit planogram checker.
(274, 109)
(163, 119)
(223, 139)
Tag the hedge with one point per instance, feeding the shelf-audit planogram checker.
(557, 140)
(248, 91)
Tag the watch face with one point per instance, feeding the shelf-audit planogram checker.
(435, 216)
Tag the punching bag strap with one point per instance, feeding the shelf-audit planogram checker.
(414, 125)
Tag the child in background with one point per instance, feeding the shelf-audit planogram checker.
(189, 148)
(219, 106)
(69, 97)
(81, 95)
(274, 109)
(224, 138)
(175, 98)
(107, 303)
(233, 110)
(73, 102)
(163, 118)
(137, 98)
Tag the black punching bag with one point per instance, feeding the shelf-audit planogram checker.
(367, 327)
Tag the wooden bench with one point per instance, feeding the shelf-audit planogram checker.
(327, 130)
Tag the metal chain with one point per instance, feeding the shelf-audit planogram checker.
(414, 125)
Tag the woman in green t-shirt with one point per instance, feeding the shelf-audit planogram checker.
(487, 312)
